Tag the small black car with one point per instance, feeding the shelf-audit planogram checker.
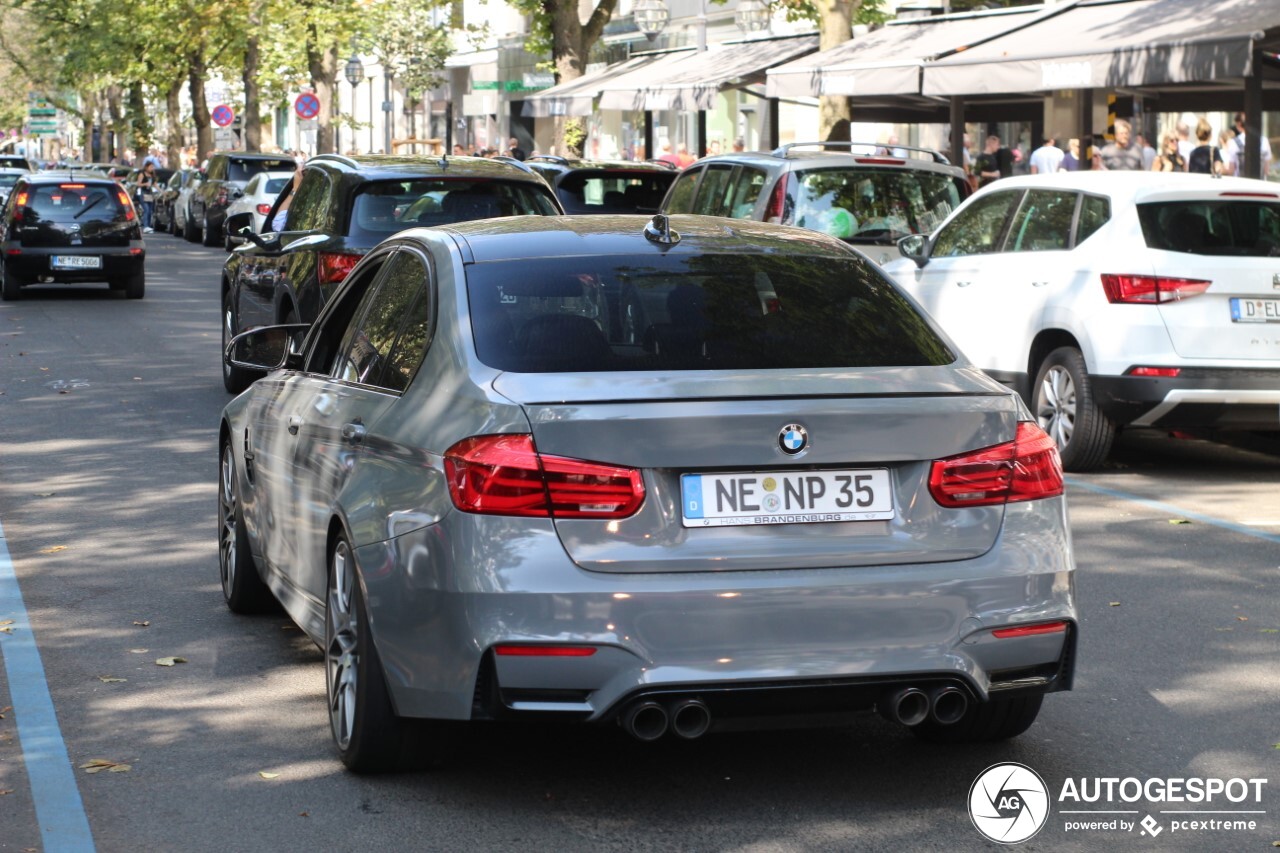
(65, 227)
(342, 208)
(224, 181)
(605, 186)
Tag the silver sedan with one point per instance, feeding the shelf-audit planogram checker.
(676, 475)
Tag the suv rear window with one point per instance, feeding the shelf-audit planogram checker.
(613, 191)
(872, 205)
(73, 202)
(386, 207)
(1214, 227)
(693, 312)
(243, 170)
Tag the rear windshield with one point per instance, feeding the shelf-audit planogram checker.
(8, 180)
(613, 192)
(274, 185)
(1222, 227)
(243, 170)
(872, 205)
(386, 207)
(72, 202)
(700, 312)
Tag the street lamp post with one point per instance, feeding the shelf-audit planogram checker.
(354, 73)
(388, 111)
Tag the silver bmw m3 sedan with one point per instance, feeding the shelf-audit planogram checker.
(676, 475)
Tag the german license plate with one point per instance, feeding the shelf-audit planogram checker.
(1255, 310)
(797, 497)
(75, 262)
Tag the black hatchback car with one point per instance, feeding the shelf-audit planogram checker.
(224, 181)
(342, 208)
(605, 186)
(68, 228)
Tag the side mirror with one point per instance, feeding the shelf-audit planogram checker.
(267, 242)
(267, 348)
(915, 247)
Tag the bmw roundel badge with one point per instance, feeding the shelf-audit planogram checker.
(793, 439)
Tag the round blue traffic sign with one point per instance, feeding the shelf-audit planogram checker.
(223, 115)
(306, 105)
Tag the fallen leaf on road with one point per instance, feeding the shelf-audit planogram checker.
(304, 814)
(1224, 629)
(6, 709)
(55, 549)
(9, 791)
(142, 624)
(1242, 618)
(97, 765)
(7, 622)
(1115, 604)
(7, 629)
(1269, 630)
(45, 494)
(111, 679)
(169, 661)
(265, 775)
(137, 379)
(138, 651)
(1178, 521)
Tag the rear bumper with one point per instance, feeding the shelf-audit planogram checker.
(117, 262)
(1218, 398)
(814, 640)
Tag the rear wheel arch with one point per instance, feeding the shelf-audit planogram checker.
(1046, 342)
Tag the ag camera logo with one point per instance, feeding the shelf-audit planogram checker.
(1008, 803)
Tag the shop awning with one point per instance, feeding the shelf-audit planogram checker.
(577, 97)
(887, 61)
(692, 81)
(1114, 43)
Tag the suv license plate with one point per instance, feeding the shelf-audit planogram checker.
(1255, 310)
(798, 497)
(75, 262)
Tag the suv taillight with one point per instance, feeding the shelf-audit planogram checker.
(129, 215)
(19, 204)
(778, 201)
(1150, 289)
(334, 266)
(505, 475)
(1025, 469)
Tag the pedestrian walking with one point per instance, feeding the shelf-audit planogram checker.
(146, 195)
(995, 162)
(1237, 148)
(514, 150)
(1149, 154)
(1121, 154)
(1184, 140)
(1071, 159)
(1169, 160)
(1224, 152)
(1047, 158)
(1205, 159)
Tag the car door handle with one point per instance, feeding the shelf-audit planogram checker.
(1039, 284)
(294, 423)
(963, 283)
(353, 433)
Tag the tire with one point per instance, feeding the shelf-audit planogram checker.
(226, 241)
(189, 230)
(135, 286)
(173, 223)
(369, 736)
(11, 288)
(996, 720)
(234, 379)
(1063, 404)
(242, 585)
(208, 234)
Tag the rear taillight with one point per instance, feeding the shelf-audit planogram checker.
(881, 161)
(18, 204)
(778, 201)
(126, 204)
(505, 475)
(1025, 469)
(1029, 630)
(334, 266)
(541, 651)
(264, 209)
(1150, 289)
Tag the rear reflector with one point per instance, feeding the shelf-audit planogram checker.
(1248, 195)
(1168, 372)
(14, 252)
(1029, 630)
(334, 266)
(505, 475)
(545, 651)
(1025, 469)
(1150, 289)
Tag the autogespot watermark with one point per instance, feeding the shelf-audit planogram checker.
(1009, 803)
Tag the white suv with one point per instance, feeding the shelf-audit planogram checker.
(1113, 298)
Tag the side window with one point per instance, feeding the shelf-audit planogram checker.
(252, 187)
(348, 307)
(744, 192)
(711, 199)
(1094, 213)
(374, 351)
(976, 230)
(1043, 222)
(681, 198)
(307, 210)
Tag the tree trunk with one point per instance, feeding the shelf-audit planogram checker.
(571, 45)
(322, 61)
(252, 106)
(835, 27)
(117, 122)
(200, 106)
(173, 107)
(140, 123)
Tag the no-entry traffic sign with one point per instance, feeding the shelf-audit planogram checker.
(223, 115)
(306, 105)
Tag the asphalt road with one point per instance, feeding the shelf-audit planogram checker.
(108, 471)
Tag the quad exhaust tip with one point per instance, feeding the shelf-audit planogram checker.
(690, 718)
(646, 721)
(908, 706)
(948, 705)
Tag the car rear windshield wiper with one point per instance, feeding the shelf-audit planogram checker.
(86, 208)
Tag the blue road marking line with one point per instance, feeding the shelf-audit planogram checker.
(1170, 509)
(64, 827)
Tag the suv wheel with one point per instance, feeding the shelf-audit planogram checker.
(208, 234)
(189, 229)
(234, 379)
(1063, 404)
(12, 287)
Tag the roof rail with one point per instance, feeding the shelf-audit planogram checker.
(554, 158)
(672, 166)
(938, 156)
(514, 162)
(339, 158)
